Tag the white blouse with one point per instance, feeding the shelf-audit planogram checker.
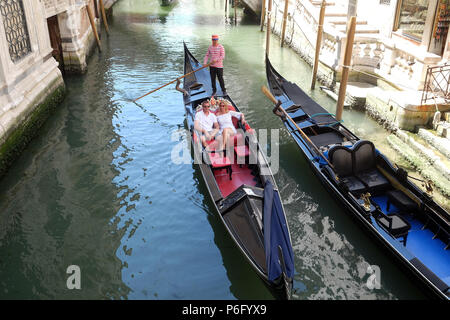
(225, 120)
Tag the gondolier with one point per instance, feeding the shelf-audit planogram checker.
(217, 54)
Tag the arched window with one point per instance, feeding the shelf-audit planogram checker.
(16, 30)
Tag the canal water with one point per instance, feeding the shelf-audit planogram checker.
(97, 188)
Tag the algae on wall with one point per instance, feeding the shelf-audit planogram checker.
(16, 142)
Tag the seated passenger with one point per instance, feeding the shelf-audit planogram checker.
(226, 125)
(205, 123)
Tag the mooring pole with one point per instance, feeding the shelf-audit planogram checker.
(318, 44)
(283, 29)
(263, 14)
(105, 21)
(235, 12)
(94, 29)
(345, 68)
(269, 13)
(226, 7)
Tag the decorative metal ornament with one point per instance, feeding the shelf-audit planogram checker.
(15, 24)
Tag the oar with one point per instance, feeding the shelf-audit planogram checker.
(278, 103)
(179, 78)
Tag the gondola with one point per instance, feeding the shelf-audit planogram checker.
(242, 188)
(405, 219)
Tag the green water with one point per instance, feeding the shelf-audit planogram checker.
(97, 187)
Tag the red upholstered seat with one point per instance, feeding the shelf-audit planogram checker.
(242, 151)
(238, 139)
(219, 162)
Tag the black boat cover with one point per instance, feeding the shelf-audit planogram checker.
(276, 235)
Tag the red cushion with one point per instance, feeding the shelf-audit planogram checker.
(242, 151)
(219, 162)
(238, 139)
(235, 122)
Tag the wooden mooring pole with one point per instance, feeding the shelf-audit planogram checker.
(235, 11)
(105, 21)
(269, 13)
(345, 68)
(283, 29)
(263, 14)
(226, 7)
(318, 44)
(94, 28)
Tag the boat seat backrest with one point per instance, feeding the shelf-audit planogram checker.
(341, 159)
(364, 157)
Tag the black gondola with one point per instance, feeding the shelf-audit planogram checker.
(243, 190)
(406, 220)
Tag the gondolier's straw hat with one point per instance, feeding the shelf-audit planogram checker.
(215, 37)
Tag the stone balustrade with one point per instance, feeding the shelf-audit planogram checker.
(375, 55)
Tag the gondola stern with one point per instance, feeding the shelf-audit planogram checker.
(277, 241)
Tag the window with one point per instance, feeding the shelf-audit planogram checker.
(15, 25)
(412, 16)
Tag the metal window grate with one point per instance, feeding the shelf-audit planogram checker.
(16, 29)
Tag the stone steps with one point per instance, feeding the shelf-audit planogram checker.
(434, 157)
(336, 15)
(443, 129)
(439, 143)
(414, 154)
(360, 28)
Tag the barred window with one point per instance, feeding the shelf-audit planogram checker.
(16, 30)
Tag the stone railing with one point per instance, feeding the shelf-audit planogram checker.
(372, 56)
(367, 53)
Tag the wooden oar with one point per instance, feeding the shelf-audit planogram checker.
(277, 103)
(179, 78)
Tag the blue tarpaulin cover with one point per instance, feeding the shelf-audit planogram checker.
(276, 234)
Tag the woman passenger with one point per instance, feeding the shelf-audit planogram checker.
(226, 125)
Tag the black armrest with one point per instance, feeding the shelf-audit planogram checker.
(331, 174)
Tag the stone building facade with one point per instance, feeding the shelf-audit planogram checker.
(39, 41)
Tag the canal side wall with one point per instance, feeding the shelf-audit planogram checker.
(31, 85)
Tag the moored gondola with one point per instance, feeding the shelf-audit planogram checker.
(406, 220)
(242, 188)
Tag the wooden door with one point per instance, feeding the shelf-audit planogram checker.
(55, 41)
